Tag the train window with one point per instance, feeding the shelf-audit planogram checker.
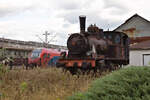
(19, 53)
(36, 53)
(109, 37)
(15, 53)
(104, 37)
(125, 40)
(7, 52)
(117, 39)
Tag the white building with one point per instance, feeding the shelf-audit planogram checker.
(140, 54)
(137, 28)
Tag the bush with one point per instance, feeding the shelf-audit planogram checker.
(131, 83)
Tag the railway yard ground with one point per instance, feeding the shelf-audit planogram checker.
(40, 83)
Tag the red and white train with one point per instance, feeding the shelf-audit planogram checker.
(43, 57)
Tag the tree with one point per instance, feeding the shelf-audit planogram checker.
(2, 53)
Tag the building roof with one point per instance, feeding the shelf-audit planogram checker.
(135, 15)
(141, 46)
(28, 44)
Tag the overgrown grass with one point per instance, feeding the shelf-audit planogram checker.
(40, 84)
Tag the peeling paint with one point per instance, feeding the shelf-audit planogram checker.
(131, 32)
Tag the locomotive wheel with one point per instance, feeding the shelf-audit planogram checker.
(96, 71)
(116, 67)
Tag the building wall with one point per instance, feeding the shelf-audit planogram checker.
(136, 57)
(21, 49)
(136, 27)
(14, 53)
(8, 43)
(17, 53)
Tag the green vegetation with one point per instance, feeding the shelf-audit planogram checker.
(2, 53)
(3, 70)
(131, 83)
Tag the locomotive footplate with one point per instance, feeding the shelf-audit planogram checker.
(77, 62)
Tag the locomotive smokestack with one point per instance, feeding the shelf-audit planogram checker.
(82, 23)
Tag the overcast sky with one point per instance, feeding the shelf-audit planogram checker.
(27, 20)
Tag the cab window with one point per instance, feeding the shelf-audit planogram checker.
(36, 53)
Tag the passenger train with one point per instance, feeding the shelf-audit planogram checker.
(43, 57)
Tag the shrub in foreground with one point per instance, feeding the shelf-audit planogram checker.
(131, 83)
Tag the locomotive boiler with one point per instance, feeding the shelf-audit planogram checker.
(95, 49)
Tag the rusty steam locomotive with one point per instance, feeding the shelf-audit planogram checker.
(95, 49)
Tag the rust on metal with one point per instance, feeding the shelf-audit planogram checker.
(70, 63)
(82, 23)
(142, 45)
(138, 39)
(130, 32)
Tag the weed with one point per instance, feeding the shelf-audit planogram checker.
(23, 86)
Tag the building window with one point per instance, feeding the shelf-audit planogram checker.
(15, 53)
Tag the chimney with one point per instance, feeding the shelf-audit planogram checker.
(82, 23)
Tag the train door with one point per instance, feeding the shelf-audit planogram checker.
(44, 59)
(53, 60)
(48, 57)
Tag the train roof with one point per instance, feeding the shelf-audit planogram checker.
(52, 50)
(48, 50)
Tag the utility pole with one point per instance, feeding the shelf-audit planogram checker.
(46, 41)
(108, 28)
(46, 36)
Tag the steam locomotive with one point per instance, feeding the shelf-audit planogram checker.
(95, 49)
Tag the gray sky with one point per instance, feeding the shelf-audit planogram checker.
(25, 19)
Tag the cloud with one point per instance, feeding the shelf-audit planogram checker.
(71, 16)
(104, 13)
(108, 4)
(61, 17)
(68, 4)
(24, 19)
(14, 8)
(72, 4)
